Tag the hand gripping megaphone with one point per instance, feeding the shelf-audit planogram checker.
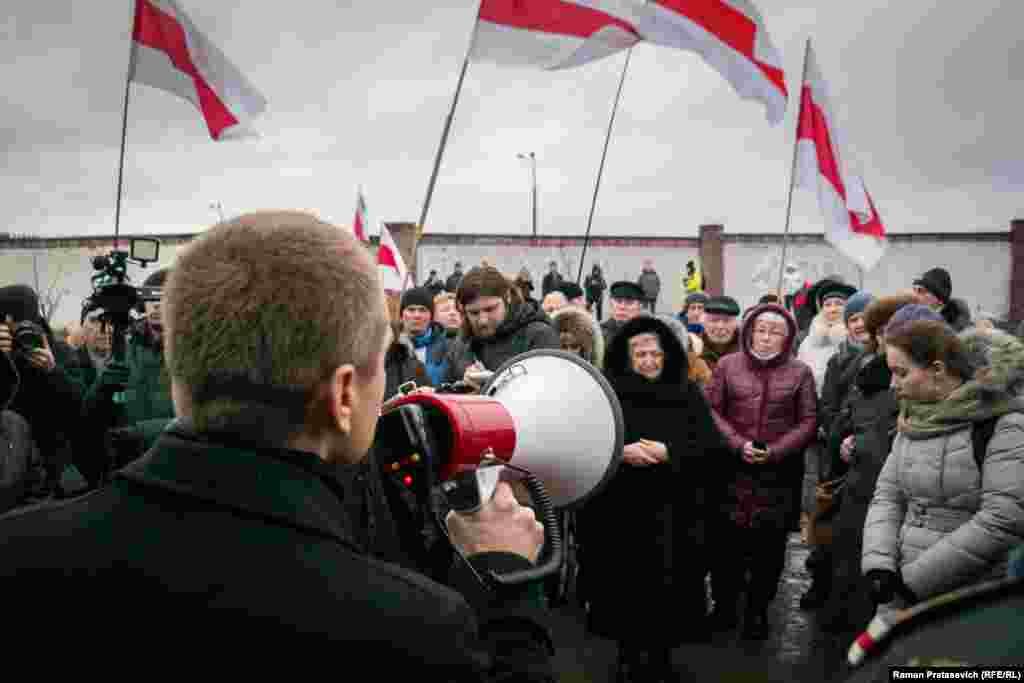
(546, 412)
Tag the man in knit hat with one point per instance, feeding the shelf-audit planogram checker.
(427, 336)
(935, 290)
(35, 382)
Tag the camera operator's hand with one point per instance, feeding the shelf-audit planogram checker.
(114, 378)
(43, 358)
(501, 525)
(7, 335)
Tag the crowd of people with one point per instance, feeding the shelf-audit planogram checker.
(256, 406)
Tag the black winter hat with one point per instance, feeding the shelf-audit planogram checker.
(722, 305)
(20, 302)
(938, 282)
(417, 296)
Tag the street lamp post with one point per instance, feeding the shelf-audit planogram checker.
(532, 158)
(219, 209)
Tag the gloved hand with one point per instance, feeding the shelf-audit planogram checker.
(114, 378)
(886, 585)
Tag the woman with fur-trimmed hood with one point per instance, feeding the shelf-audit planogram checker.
(827, 332)
(652, 575)
(580, 333)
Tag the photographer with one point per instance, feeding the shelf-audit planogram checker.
(229, 540)
(32, 371)
(132, 397)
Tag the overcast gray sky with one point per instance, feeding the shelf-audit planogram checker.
(929, 97)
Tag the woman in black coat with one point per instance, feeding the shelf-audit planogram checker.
(643, 556)
(871, 410)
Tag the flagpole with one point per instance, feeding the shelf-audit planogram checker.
(120, 166)
(444, 135)
(792, 171)
(600, 170)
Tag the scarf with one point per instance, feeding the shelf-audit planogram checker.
(824, 334)
(969, 403)
(424, 339)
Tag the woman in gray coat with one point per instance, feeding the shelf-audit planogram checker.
(938, 519)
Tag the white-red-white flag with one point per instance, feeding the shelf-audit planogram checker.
(730, 36)
(547, 34)
(852, 223)
(390, 263)
(169, 53)
(359, 223)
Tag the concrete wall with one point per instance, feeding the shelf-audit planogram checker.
(620, 259)
(980, 266)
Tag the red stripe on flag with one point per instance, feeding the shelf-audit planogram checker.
(729, 25)
(813, 126)
(155, 29)
(872, 226)
(385, 257)
(550, 16)
(359, 228)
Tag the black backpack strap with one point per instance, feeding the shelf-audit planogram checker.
(981, 434)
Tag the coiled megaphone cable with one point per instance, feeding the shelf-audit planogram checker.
(544, 509)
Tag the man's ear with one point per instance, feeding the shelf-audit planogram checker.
(341, 398)
(938, 368)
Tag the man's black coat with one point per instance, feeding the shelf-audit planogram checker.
(204, 549)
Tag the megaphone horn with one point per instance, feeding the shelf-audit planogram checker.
(545, 411)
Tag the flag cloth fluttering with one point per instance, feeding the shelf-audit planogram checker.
(547, 34)
(359, 223)
(729, 35)
(169, 53)
(852, 224)
(390, 263)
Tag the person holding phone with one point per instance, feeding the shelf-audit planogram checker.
(765, 404)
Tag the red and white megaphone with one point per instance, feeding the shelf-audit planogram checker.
(546, 411)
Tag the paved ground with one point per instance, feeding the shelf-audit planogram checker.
(795, 651)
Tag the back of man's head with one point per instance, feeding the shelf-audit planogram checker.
(261, 310)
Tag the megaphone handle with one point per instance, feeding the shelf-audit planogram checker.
(552, 534)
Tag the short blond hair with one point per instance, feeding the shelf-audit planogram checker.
(260, 312)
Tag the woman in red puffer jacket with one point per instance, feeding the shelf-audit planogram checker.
(765, 404)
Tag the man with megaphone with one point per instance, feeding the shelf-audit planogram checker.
(230, 540)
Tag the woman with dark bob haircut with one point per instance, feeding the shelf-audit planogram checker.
(939, 519)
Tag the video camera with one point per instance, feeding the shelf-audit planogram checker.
(114, 296)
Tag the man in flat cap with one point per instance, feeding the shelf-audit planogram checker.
(721, 329)
(626, 298)
(573, 294)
